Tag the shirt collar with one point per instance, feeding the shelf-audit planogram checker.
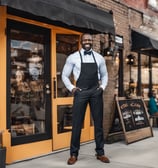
(82, 51)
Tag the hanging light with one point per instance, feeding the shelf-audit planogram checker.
(130, 59)
(114, 43)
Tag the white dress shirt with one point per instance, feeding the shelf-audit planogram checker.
(73, 64)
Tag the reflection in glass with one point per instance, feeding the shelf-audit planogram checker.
(26, 83)
(64, 118)
(66, 44)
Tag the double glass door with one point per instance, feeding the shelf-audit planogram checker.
(39, 105)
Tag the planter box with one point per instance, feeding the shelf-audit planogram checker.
(2, 157)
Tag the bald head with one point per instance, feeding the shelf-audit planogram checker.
(86, 41)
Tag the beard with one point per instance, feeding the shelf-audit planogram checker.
(87, 46)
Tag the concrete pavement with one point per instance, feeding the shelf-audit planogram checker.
(141, 154)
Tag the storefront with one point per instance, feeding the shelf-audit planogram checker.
(35, 38)
(146, 63)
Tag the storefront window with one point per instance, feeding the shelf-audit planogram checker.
(27, 83)
(27, 99)
(147, 73)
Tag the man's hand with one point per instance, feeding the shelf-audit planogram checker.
(74, 90)
(100, 88)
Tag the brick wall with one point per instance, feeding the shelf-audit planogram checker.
(141, 4)
(125, 19)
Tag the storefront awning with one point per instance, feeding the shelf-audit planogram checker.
(144, 44)
(75, 13)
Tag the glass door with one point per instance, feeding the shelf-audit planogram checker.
(66, 44)
(29, 92)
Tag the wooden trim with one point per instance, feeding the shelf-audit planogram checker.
(3, 68)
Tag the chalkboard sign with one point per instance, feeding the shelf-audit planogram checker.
(134, 117)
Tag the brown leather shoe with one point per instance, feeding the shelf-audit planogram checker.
(72, 160)
(103, 159)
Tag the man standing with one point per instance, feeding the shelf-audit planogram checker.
(90, 73)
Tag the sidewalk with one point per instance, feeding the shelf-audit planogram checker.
(141, 154)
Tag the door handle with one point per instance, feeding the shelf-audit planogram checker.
(54, 87)
(47, 88)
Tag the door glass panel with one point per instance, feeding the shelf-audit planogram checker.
(27, 97)
(65, 45)
(27, 78)
(64, 115)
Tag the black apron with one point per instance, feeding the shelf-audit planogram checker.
(88, 83)
(88, 78)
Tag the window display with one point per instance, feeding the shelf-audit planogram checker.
(27, 83)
